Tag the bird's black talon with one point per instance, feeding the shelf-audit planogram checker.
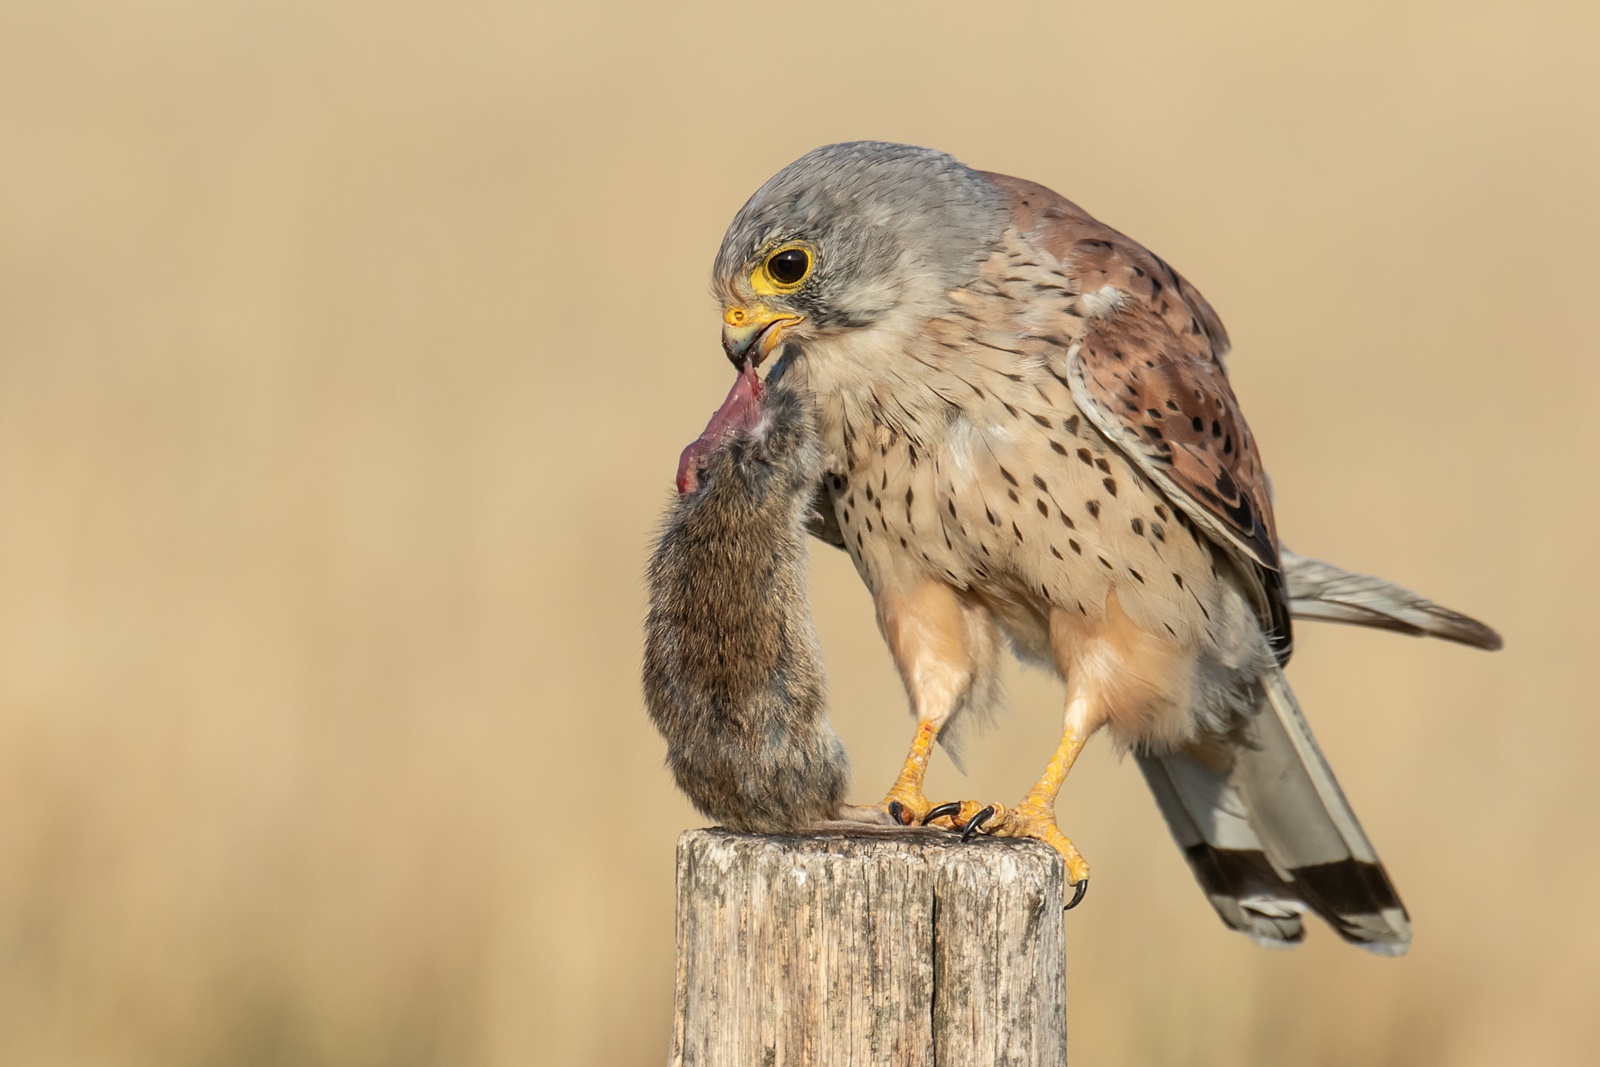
(952, 807)
(895, 811)
(1077, 894)
(976, 822)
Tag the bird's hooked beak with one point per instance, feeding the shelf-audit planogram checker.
(751, 334)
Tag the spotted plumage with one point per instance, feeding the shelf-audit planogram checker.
(1043, 401)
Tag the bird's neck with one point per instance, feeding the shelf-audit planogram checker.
(870, 377)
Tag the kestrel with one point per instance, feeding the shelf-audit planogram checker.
(1031, 442)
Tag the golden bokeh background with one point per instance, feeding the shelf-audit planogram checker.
(345, 354)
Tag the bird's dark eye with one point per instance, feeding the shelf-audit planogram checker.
(790, 266)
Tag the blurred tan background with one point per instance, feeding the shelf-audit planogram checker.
(345, 355)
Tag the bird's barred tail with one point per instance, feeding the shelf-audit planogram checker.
(1270, 836)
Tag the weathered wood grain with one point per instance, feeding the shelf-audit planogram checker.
(868, 947)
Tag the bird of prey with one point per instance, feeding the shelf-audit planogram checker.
(1031, 442)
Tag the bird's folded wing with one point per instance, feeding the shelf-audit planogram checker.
(1173, 412)
(1144, 364)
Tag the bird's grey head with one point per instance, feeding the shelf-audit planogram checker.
(848, 236)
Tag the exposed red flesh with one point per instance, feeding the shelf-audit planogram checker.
(737, 414)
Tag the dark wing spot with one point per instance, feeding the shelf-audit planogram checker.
(1007, 476)
(1136, 575)
(1059, 448)
(1075, 546)
(1110, 484)
(1044, 509)
(1038, 483)
(1104, 465)
(1138, 526)
(1093, 507)
(1012, 493)
(1071, 425)
(1042, 420)
(1083, 454)
(1056, 552)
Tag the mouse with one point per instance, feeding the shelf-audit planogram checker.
(733, 672)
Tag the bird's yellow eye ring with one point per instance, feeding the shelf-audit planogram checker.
(787, 268)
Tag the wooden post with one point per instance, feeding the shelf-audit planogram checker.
(867, 947)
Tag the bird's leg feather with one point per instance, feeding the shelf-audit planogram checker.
(941, 646)
(1108, 663)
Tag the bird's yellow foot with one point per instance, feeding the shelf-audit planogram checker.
(906, 805)
(967, 816)
(1036, 820)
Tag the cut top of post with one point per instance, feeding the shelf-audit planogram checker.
(868, 947)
